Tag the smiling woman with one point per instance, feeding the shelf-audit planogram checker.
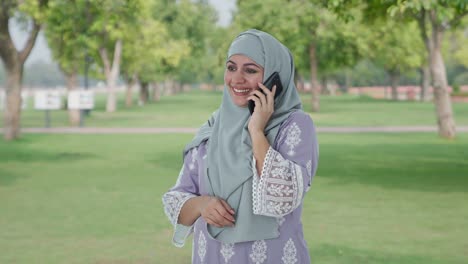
(244, 176)
(242, 76)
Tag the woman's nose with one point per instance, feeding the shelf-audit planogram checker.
(238, 77)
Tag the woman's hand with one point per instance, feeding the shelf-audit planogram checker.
(264, 108)
(217, 212)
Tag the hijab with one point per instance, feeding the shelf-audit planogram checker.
(229, 171)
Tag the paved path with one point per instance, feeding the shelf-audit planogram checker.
(187, 130)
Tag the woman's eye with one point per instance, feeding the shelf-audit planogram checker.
(231, 68)
(252, 71)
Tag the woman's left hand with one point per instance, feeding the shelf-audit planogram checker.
(264, 108)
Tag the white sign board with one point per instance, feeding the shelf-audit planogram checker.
(24, 100)
(47, 100)
(80, 100)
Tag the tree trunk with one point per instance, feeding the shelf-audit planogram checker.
(178, 87)
(347, 82)
(13, 60)
(12, 110)
(144, 93)
(394, 81)
(156, 92)
(425, 82)
(300, 83)
(313, 78)
(73, 114)
(425, 68)
(129, 92)
(112, 72)
(169, 87)
(443, 103)
(324, 89)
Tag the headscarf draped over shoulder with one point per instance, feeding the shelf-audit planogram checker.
(229, 155)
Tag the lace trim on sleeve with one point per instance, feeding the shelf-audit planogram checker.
(173, 202)
(279, 190)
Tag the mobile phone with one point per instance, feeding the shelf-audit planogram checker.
(271, 81)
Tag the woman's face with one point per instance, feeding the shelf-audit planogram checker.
(241, 77)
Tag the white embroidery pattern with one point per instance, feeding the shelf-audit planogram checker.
(227, 251)
(293, 138)
(173, 202)
(280, 220)
(258, 255)
(289, 253)
(201, 246)
(279, 189)
(194, 158)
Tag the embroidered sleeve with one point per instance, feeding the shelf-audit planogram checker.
(287, 170)
(185, 188)
(278, 191)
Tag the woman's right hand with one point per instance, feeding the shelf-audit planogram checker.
(217, 212)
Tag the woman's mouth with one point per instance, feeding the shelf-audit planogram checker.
(241, 91)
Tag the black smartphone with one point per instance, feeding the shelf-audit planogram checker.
(271, 81)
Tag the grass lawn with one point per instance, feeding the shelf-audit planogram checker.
(172, 111)
(377, 198)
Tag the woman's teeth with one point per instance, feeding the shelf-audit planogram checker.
(240, 90)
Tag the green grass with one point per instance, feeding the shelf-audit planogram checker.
(352, 110)
(377, 198)
(193, 108)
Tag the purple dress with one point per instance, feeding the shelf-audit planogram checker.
(287, 172)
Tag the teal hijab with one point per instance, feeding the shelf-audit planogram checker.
(230, 166)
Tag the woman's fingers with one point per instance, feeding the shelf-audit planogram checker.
(265, 90)
(262, 97)
(220, 216)
(268, 95)
(273, 92)
(218, 213)
(227, 212)
(257, 101)
(210, 221)
(228, 207)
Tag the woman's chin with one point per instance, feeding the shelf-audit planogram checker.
(241, 103)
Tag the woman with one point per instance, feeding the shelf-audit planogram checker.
(244, 176)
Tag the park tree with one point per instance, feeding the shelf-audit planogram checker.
(193, 22)
(111, 20)
(455, 51)
(396, 47)
(32, 12)
(219, 43)
(459, 46)
(339, 47)
(434, 18)
(145, 60)
(67, 32)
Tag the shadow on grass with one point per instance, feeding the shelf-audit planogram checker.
(326, 253)
(8, 177)
(20, 153)
(28, 155)
(419, 167)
